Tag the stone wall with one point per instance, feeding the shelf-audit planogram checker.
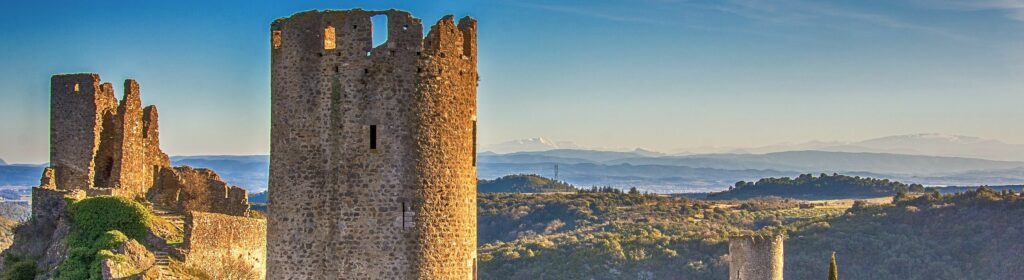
(77, 106)
(40, 238)
(213, 240)
(99, 145)
(756, 258)
(183, 189)
(372, 166)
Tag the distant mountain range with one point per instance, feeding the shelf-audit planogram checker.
(2, 162)
(929, 144)
(928, 159)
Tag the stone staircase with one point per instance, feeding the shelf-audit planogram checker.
(163, 259)
(176, 219)
(163, 262)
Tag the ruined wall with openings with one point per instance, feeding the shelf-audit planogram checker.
(372, 156)
(756, 257)
(99, 145)
(183, 189)
(215, 239)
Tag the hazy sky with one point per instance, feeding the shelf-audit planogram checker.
(658, 74)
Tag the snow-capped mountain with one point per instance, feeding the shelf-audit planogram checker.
(528, 145)
(934, 144)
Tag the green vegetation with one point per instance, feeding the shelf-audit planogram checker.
(99, 224)
(825, 186)
(18, 269)
(614, 235)
(523, 183)
(973, 235)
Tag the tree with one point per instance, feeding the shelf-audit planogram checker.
(833, 271)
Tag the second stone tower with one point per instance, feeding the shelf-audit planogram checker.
(372, 167)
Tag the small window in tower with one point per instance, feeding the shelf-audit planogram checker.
(329, 37)
(76, 87)
(373, 137)
(275, 39)
(408, 216)
(474, 142)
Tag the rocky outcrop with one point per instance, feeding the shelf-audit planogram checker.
(131, 259)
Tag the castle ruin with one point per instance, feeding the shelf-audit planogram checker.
(102, 147)
(756, 257)
(372, 168)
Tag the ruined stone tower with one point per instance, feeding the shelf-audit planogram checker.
(372, 169)
(756, 257)
(98, 145)
(104, 147)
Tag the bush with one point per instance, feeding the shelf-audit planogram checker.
(98, 225)
(93, 217)
(21, 270)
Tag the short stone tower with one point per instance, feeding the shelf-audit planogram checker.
(755, 257)
(372, 166)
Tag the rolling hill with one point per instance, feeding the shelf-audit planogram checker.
(522, 183)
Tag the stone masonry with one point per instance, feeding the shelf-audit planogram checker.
(98, 145)
(217, 238)
(104, 147)
(372, 169)
(756, 257)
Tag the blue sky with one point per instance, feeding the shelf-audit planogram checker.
(659, 74)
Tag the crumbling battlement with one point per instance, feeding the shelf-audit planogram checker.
(756, 257)
(185, 189)
(372, 170)
(99, 145)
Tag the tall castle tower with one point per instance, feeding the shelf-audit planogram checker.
(756, 257)
(372, 167)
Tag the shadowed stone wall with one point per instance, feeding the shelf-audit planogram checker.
(372, 152)
(217, 240)
(756, 258)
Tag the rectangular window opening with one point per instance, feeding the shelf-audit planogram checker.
(474, 142)
(373, 137)
(275, 39)
(329, 43)
(379, 33)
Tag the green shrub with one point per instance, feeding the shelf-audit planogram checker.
(99, 224)
(20, 270)
(92, 217)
